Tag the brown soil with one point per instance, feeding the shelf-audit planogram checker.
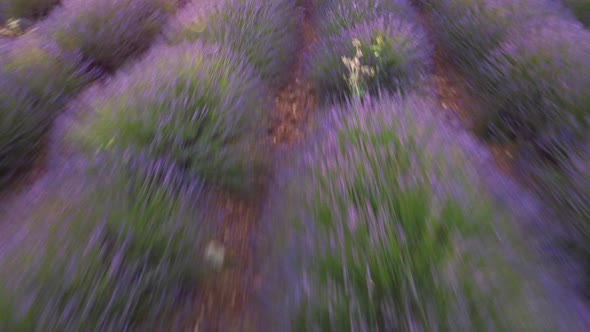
(228, 301)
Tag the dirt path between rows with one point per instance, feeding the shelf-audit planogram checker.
(558, 271)
(229, 300)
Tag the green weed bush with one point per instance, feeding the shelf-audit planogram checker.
(395, 54)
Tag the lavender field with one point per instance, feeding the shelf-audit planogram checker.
(294, 165)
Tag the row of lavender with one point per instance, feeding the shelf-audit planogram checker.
(25, 9)
(581, 9)
(42, 69)
(381, 224)
(187, 118)
(528, 66)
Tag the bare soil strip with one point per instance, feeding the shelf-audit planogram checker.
(228, 301)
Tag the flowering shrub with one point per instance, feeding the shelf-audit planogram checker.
(469, 29)
(266, 33)
(380, 216)
(397, 52)
(581, 9)
(25, 8)
(197, 106)
(108, 32)
(335, 16)
(22, 123)
(50, 74)
(190, 23)
(536, 86)
(127, 258)
(35, 80)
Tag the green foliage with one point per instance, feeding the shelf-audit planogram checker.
(395, 54)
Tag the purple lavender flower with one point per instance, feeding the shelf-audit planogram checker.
(50, 73)
(332, 17)
(107, 32)
(377, 213)
(36, 79)
(22, 123)
(198, 106)
(469, 29)
(124, 256)
(581, 9)
(266, 33)
(536, 85)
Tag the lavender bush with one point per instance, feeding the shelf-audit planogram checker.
(536, 86)
(581, 9)
(121, 261)
(22, 123)
(332, 17)
(394, 55)
(197, 106)
(388, 230)
(25, 8)
(108, 32)
(35, 80)
(567, 190)
(470, 29)
(265, 32)
(189, 24)
(50, 74)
